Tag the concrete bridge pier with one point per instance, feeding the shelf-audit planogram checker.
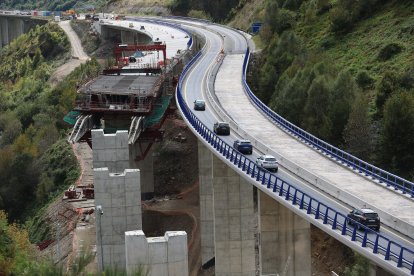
(4, 31)
(127, 37)
(227, 217)
(16, 28)
(146, 166)
(118, 192)
(285, 244)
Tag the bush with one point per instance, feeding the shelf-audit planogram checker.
(286, 21)
(389, 51)
(341, 21)
(199, 14)
(364, 80)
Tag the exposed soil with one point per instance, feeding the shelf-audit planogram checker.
(328, 254)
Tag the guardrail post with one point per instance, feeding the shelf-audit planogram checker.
(264, 178)
(353, 237)
(325, 218)
(400, 258)
(258, 175)
(281, 188)
(387, 253)
(302, 201)
(268, 182)
(364, 240)
(334, 222)
(317, 211)
(344, 226)
(294, 197)
(275, 185)
(244, 165)
(287, 193)
(309, 210)
(375, 249)
(254, 169)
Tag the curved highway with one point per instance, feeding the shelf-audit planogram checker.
(226, 100)
(195, 86)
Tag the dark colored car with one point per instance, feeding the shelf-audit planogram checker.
(244, 146)
(221, 128)
(366, 217)
(199, 105)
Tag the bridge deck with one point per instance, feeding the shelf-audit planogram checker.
(123, 85)
(230, 91)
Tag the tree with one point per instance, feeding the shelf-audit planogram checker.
(398, 142)
(293, 96)
(271, 17)
(316, 117)
(358, 130)
(389, 84)
(180, 7)
(343, 94)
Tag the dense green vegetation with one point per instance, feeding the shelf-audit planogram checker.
(214, 9)
(18, 257)
(53, 5)
(35, 161)
(343, 70)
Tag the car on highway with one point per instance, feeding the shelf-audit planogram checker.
(221, 128)
(199, 105)
(267, 162)
(243, 146)
(366, 217)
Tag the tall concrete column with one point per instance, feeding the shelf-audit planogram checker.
(146, 166)
(205, 179)
(118, 195)
(234, 219)
(285, 245)
(16, 28)
(127, 37)
(110, 150)
(4, 25)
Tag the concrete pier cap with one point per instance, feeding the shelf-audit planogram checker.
(166, 255)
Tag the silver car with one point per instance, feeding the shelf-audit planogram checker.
(267, 162)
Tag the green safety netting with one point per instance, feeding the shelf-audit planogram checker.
(71, 117)
(159, 109)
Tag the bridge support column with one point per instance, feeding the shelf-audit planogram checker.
(234, 220)
(127, 37)
(285, 244)
(4, 26)
(16, 28)
(118, 194)
(145, 165)
(205, 179)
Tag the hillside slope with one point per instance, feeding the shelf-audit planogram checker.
(343, 70)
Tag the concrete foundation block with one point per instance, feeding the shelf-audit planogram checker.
(166, 255)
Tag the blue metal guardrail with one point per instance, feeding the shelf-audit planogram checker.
(160, 22)
(391, 250)
(391, 180)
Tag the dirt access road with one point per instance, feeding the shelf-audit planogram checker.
(77, 53)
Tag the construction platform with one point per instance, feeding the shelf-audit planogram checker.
(125, 93)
